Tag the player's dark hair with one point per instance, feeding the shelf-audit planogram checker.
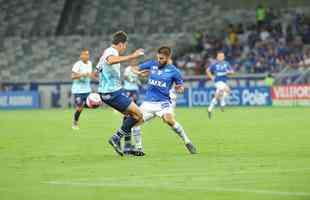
(165, 50)
(119, 37)
(220, 51)
(85, 49)
(217, 52)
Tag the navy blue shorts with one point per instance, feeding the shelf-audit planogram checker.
(80, 99)
(117, 100)
(133, 94)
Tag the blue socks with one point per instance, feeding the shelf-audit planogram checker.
(77, 115)
(125, 129)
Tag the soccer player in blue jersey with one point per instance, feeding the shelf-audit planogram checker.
(111, 91)
(81, 76)
(218, 72)
(163, 76)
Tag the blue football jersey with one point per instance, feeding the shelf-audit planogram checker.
(219, 70)
(160, 80)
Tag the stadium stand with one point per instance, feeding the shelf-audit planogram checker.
(24, 18)
(51, 58)
(280, 42)
(42, 39)
(147, 18)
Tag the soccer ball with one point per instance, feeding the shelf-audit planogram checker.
(93, 100)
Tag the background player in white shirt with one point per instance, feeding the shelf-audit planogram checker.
(81, 76)
(132, 81)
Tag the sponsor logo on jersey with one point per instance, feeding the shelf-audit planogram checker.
(157, 83)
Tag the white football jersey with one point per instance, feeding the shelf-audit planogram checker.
(81, 85)
(133, 79)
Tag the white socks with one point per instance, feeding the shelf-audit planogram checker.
(136, 133)
(212, 104)
(180, 131)
(223, 102)
(177, 128)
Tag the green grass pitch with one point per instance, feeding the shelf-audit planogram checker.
(244, 153)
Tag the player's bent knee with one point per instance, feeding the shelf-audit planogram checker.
(169, 119)
(220, 93)
(227, 90)
(134, 111)
(79, 108)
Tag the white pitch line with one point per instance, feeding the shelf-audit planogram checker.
(195, 173)
(171, 186)
(284, 193)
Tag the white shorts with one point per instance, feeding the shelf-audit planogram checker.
(173, 103)
(220, 86)
(153, 109)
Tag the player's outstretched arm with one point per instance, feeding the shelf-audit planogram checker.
(179, 88)
(143, 69)
(119, 59)
(140, 72)
(143, 73)
(77, 76)
(94, 75)
(230, 72)
(209, 74)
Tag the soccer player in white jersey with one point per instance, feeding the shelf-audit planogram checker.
(81, 76)
(218, 72)
(111, 91)
(157, 102)
(131, 87)
(132, 81)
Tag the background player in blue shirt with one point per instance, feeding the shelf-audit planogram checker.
(218, 72)
(157, 102)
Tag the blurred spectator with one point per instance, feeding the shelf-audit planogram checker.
(264, 35)
(271, 16)
(261, 15)
(232, 35)
(252, 49)
(240, 29)
(1, 87)
(306, 60)
(289, 34)
(198, 40)
(305, 33)
(269, 80)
